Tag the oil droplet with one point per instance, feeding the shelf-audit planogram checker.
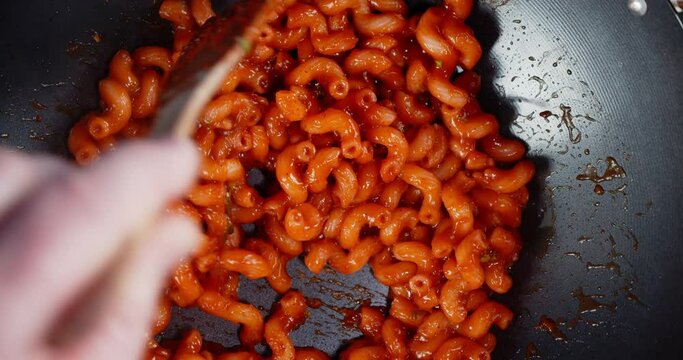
(569, 72)
(587, 152)
(620, 189)
(584, 238)
(549, 325)
(637, 7)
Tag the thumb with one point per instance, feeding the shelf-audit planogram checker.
(119, 331)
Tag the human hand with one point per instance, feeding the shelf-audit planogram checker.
(78, 280)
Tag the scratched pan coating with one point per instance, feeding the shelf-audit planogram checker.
(587, 85)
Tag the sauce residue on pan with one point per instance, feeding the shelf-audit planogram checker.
(599, 189)
(630, 296)
(607, 266)
(351, 317)
(634, 240)
(38, 105)
(314, 303)
(542, 86)
(96, 36)
(589, 304)
(549, 325)
(613, 253)
(574, 254)
(567, 119)
(613, 171)
(531, 352)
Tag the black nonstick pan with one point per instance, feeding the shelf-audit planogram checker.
(595, 92)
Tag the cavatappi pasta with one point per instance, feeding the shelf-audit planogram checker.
(367, 118)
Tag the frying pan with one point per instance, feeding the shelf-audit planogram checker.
(588, 86)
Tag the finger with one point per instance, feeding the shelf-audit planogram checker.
(126, 315)
(21, 173)
(70, 230)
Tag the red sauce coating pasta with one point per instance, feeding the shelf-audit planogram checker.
(380, 155)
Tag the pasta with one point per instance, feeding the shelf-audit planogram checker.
(365, 118)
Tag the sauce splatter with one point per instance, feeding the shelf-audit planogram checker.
(542, 85)
(96, 36)
(351, 317)
(549, 325)
(613, 253)
(613, 171)
(567, 119)
(599, 189)
(38, 105)
(608, 266)
(630, 296)
(634, 240)
(314, 303)
(589, 304)
(531, 352)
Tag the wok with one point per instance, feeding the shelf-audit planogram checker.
(588, 86)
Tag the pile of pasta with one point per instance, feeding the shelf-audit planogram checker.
(365, 118)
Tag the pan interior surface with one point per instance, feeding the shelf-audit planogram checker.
(594, 91)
